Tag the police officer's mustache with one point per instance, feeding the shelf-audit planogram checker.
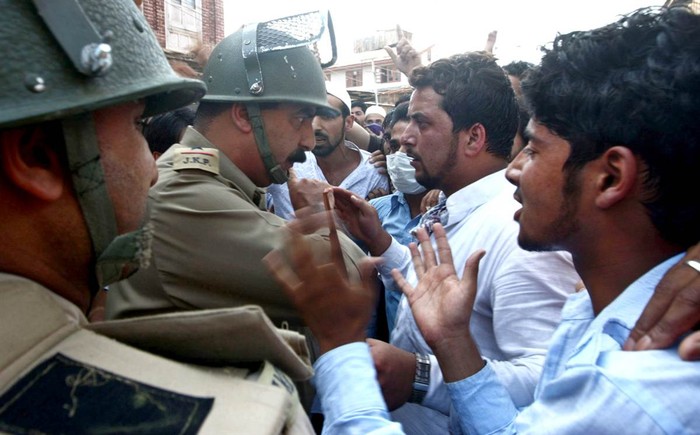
(298, 156)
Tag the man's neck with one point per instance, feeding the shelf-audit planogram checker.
(339, 164)
(617, 265)
(476, 169)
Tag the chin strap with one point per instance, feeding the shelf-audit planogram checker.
(277, 175)
(117, 256)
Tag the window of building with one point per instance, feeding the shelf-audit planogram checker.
(353, 78)
(386, 74)
(183, 24)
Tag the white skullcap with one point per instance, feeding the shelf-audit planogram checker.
(376, 110)
(339, 91)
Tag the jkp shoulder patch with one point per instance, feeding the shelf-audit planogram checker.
(62, 395)
(205, 159)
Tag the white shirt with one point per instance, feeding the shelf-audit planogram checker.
(519, 297)
(361, 181)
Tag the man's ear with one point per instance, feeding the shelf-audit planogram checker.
(240, 118)
(473, 139)
(349, 122)
(32, 164)
(617, 176)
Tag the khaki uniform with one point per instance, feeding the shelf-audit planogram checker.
(211, 231)
(57, 376)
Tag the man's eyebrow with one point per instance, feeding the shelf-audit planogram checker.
(417, 116)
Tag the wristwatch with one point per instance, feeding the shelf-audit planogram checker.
(421, 381)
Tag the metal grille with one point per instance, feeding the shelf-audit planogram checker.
(289, 32)
(694, 5)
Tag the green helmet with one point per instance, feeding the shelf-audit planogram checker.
(40, 80)
(65, 59)
(271, 62)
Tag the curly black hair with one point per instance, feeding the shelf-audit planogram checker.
(635, 83)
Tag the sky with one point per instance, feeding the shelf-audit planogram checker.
(450, 26)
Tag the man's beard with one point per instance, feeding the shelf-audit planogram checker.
(326, 151)
(435, 181)
(564, 226)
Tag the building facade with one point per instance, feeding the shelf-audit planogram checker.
(186, 29)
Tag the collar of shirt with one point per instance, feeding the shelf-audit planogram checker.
(397, 199)
(617, 319)
(467, 199)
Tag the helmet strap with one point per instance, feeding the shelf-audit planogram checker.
(116, 260)
(277, 175)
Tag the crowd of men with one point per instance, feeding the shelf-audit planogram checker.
(551, 289)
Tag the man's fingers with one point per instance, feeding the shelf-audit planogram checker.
(690, 347)
(402, 284)
(680, 317)
(417, 260)
(443, 246)
(491, 41)
(399, 32)
(673, 310)
(392, 54)
(426, 246)
(471, 275)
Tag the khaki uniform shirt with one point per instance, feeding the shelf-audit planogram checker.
(57, 376)
(211, 231)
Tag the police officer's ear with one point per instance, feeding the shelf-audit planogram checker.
(31, 163)
(240, 117)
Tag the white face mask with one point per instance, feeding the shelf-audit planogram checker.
(402, 174)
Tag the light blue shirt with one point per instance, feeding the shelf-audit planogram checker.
(588, 384)
(395, 216)
(346, 383)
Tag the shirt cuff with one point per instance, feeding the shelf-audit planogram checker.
(481, 402)
(346, 382)
(396, 256)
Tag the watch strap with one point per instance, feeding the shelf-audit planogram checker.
(421, 381)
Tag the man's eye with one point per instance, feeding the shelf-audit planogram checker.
(141, 123)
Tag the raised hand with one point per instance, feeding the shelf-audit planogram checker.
(336, 310)
(305, 192)
(491, 41)
(360, 219)
(442, 303)
(405, 57)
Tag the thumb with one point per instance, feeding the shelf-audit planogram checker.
(292, 176)
(471, 274)
(391, 53)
